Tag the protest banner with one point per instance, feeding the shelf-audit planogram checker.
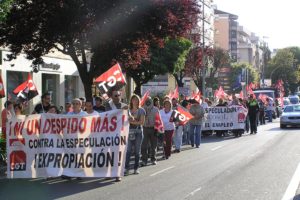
(225, 118)
(50, 145)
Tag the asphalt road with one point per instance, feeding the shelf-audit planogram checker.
(252, 167)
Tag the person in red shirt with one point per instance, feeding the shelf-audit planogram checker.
(6, 114)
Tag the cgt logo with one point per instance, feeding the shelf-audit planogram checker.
(17, 161)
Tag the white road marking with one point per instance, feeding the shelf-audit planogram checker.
(59, 181)
(37, 179)
(293, 186)
(90, 181)
(193, 193)
(216, 148)
(159, 172)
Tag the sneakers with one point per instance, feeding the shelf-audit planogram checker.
(118, 179)
(126, 172)
(143, 164)
(136, 171)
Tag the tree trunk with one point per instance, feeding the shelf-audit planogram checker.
(87, 84)
(138, 89)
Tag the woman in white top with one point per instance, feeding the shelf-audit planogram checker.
(169, 126)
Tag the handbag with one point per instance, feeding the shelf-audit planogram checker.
(132, 133)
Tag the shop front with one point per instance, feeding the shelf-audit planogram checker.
(57, 76)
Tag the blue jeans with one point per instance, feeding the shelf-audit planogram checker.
(195, 134)
(178, 137)
(269, 114)
(136, 145)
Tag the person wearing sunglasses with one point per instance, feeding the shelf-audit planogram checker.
(115, 100)
(44, 106)
(115, 103)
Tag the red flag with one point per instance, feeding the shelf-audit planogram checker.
(241, 95)
(175, 93)
(170, 95)
(111, 78)
(2, 91)
(26, 90)
(183, 115)
(220, 93)
(158, 126)
(262, 97)
(145, 97)
(250, 91)
(197, 96)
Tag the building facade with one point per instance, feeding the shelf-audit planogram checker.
(58, 76)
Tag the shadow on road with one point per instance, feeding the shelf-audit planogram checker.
(48, 189)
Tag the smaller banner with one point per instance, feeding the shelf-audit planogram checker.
(111, 78)
(225, 118)
(181, 115)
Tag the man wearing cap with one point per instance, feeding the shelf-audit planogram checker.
(77, 105)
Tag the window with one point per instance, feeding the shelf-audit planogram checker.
(70, 88)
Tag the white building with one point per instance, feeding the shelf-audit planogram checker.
(58, 76)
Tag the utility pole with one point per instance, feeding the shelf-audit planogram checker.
(203, 50)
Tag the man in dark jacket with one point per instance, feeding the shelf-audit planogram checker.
(253, 109)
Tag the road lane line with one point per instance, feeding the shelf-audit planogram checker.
(193, 193)
(90, 181)
(159, 172)
(293, 186)
(59, 181)
(216, 148)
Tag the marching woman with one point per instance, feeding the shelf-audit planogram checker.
(169, 126)
(136, 119)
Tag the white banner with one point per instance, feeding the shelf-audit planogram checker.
(50, 145)
(225, 118)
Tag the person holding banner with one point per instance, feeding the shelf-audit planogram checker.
(136, 119)
(149, 133)
(115, 103)
(166, 114)
(77, 104)
(6, 114)
(89, 108)
(44, 106)
(195, 123)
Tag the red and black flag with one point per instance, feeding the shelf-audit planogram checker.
(26, 91)
(181, 115)
(112, 78)
(2, 91)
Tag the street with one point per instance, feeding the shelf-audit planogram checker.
(251, 167)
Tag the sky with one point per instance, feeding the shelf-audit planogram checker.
(276, 20)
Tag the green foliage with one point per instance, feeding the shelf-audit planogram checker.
(5, 6)
(236, 70)
(167, 59)
(285, 66)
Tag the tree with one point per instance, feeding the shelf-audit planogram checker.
(285, 65)
(167, 59)
(236, 71)
(194, 66)
(220, 58)
(115, 30)
(5, 6)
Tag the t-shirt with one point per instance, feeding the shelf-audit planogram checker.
(99, 109)
(39, 108)
(108, 106)
(165, 117)
(93, 113)
(137, 115)
(80, 113)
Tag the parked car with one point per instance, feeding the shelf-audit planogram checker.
(290, 116)
(294, 99)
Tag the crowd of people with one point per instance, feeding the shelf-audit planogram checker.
(143, 138)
